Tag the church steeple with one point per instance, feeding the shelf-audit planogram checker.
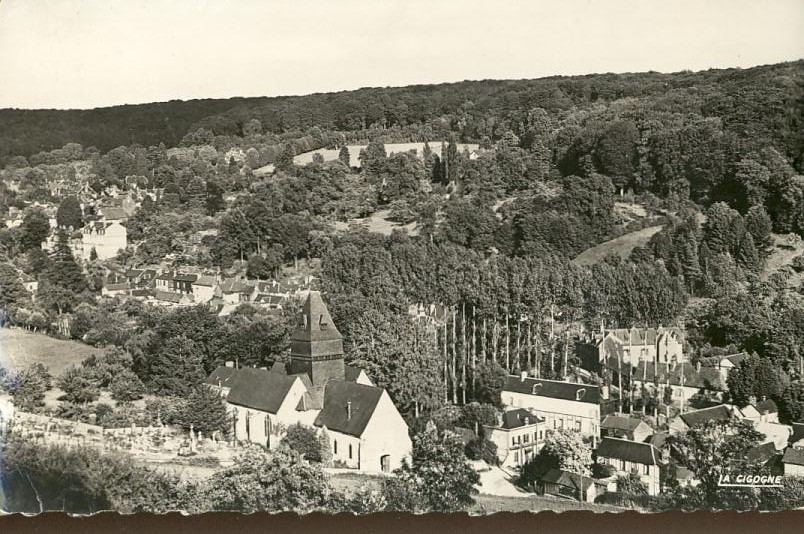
(316, 346)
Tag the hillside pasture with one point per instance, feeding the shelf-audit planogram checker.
(622, 246)
(20, 349)
(331, 154)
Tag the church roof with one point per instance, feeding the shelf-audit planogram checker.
(315, 323)
(260, 389)
(348, 407)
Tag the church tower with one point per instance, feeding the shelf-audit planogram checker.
(316, 346)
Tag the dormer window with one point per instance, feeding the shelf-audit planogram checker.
(536, 387)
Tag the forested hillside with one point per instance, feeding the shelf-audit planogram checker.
(762, 103)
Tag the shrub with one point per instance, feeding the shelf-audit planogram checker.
(482, 449)
(126, 386)
(304, 441)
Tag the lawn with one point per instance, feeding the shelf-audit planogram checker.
(489, 504)
(622, 246)
(19, 349)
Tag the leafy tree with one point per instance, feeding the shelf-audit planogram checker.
(11, 288)
(631, 484)
(754, 377)
(759, 225)
(481, 448)
(438, 479)
(205, 411)
(69, 214)
(177, 367)
(263, 481)
(304, 441)
(126, 386)
(746, 254)
(373, 158)
(489, 381)
(78, 386)
(711, 449)
(285, 158)
(475, 415)
(791, 408)
(29, 387)
(563, 449)
(34, 230)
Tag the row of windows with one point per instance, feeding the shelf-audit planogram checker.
(621, 466)
(525, 438)
(335, 448)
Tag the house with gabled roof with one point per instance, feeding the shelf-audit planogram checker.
(317, 389)
(561, 404)
(573, 485)
(628, 457)
(620, 426)
(685, 421)
(517, 436)
(793, 461)
(633, 345)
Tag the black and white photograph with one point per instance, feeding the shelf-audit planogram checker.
(356, 256)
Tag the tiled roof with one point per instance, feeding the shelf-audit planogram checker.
(517, 418)
(260, 389)
(117, 287)
(616, 422)
(553, 388)
(720, 412)
(185, 277)
(793, 456)
(631, 451)
(133, 273)
(352, 373)
(335, 414)
(315, 323)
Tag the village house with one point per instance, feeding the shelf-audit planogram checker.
(631, 346)
(517, 436)
(797, 435)
(140, 277)
(627, 457)
(561, 404)
(793, 461)
(29, 283)
(317, 389)
(685, 421)
(573, 485)
(684, 380)
(618, 426)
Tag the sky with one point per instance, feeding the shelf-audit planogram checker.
(93, 53)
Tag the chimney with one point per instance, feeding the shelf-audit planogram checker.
(604, 392)
(348, 410)
(698, 366)
(752, 400)
(229, 363)
(522, 376)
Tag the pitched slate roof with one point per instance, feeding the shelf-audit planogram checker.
(315, 323)
(133, 273)
(617, 422)
(337, 395)
(352, 373)
(517, 418)
(567, 479)
(223, 376)
(644, 336)
(234, 285)
(168, 296)
(185, 277)
(705, 378)
(205, 280)
(260, 389)
(720, 412)
(553, 388)
(761, 453)
(630, 451)
(767, 406)
(798, 432)
(117, 287)
(793, 456)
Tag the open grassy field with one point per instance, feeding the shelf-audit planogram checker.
(378, 223)
(621, 246)
(489, 504)
(19, 349)
(785, 249)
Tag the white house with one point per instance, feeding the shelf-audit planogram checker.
(627, 457)
(560, 404)
(517, 435)
(317, 389)
(106, 238)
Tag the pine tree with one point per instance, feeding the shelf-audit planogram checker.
(758, 223)
(344, 157)
(63, 270)
(746, 255)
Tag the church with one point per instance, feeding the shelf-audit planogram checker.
(317, 389)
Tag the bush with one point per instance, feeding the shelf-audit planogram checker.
(482, 449)
(304, 441)
(126, 386)
(77, 386)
